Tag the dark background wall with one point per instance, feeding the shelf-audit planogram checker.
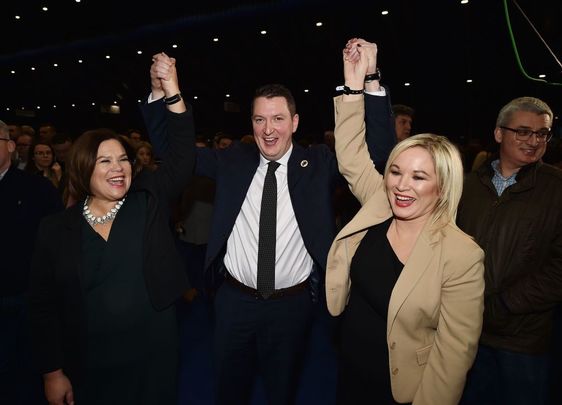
(434, 45)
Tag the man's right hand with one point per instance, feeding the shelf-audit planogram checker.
(58, 389)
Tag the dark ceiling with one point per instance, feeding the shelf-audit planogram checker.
(434, 45)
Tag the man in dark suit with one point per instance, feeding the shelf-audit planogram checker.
(25, 200)
(262, 319)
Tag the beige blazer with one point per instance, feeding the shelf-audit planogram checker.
(435, 309)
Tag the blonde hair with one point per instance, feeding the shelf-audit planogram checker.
(448, 169)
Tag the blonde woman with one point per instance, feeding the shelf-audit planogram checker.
(408, 283)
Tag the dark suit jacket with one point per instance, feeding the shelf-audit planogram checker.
(57, 309)
(24, 200)
(312, 174)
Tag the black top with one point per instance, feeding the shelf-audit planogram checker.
(117, 304)
(56, 298)
(364, 369)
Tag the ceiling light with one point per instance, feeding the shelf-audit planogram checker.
(263, 32)
(228, 95)
(469, 80)
(45, 9)
(32, 68)
(319, 24)
(139, 101)
(174, 46)
(18, 17)
(115, 102)
(54, 106)
(93, 103)
(215, 40)
(38, 107)
(77, 1)
(107, 57)
(13, 72)
(55, 64)
(139, 52)
(7, 108)
(384, 12)
(80, 60)
(195, 97)
(306, 90)
(406, 84)
(73, 105)
(542, 76)
(464, 1)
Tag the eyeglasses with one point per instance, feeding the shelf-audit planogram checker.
(43, 153)
(524, 134)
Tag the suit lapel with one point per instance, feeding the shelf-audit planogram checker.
(375, 211)
(73, 239)
(239, 179)
(297, 166)
(418, 263)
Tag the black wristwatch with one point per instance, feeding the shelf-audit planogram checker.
(173, 100)
(347, 90)
(373, 76)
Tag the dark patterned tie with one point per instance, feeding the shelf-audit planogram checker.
(268, 225)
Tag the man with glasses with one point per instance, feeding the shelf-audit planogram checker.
(512, 206)
(23, 143)
(24, 200)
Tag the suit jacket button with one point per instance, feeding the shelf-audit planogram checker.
(395, 371)
(392, 345)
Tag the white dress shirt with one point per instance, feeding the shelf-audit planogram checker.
(293, 264)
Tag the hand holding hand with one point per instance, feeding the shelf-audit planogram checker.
(355, 64)
(357, 47)
(164, 69)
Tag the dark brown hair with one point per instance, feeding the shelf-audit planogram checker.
(30, 167)
(276, 90)
(83, 155)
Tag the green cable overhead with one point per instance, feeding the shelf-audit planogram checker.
(514, 45)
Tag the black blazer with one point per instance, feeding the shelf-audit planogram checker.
(312, 174)
(56, 294)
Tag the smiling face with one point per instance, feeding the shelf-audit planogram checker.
(273, 126)
(515, 154)
(411, 185)
(111, 177)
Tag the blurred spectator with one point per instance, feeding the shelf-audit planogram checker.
(403, 117)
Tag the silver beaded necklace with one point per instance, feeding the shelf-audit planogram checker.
(93, 220)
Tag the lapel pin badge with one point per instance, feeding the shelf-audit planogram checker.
(304, 163)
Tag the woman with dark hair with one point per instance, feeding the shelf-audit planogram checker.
(105, 272)
(42, 161)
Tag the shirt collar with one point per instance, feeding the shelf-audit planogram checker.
(496, 168)
(283, 161)
(2, 174)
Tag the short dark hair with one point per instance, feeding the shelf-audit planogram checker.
(276, 90)
(83, 157)
(30, 166)
(401, 109)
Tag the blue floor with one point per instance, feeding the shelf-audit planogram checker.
(318, 379)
